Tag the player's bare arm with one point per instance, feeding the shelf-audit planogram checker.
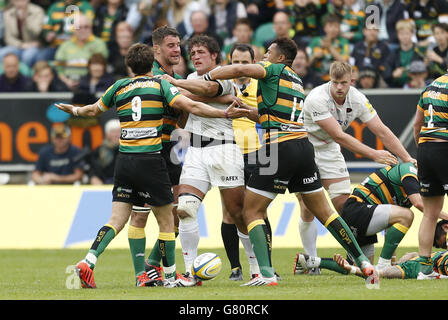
(332, 127)
(389, 139)
(195, 86)
(236, 71)
(419, 121)
(90, 110)
(203, 110)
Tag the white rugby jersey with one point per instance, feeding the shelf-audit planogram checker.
(216, 128)
(320, 105)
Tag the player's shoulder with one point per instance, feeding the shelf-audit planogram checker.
(320, 93)
(356, 95)
(193, 75)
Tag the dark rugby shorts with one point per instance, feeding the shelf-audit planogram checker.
(142, 178)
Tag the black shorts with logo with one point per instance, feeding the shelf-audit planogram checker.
(286, 165)
(174, 169)
(432, 168)
(142, 178)
(357, 215)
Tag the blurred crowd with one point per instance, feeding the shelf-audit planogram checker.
(79, 46)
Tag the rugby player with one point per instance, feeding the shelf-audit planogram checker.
(431, 136)
(328, 111)
(213, 159)
(291, 155)
(382, 201)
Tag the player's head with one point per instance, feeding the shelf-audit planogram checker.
(340, 79)
(140, 58)
(242, 53)
(440, 235)
(166, 44)
(242, 30)
(281, 50)
(204, 53)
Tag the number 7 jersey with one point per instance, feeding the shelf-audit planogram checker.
(140, 104)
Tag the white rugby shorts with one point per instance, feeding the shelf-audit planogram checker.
(330, 161)
(219, 166)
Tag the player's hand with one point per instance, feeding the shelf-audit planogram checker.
(385, 157)
(234, 112)
(341, 262)
(414, 161)
(68, 108)
(168, 78)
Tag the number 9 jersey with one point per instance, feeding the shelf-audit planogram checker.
(140, 104)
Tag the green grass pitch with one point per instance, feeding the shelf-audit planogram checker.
(47, 275)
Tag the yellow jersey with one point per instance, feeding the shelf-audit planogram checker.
(246, 135)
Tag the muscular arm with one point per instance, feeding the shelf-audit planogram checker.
(418, 123)
(388, 138)
(332, 127)
(198, 86)
(203, 110)
(90, 110)
(237, 71)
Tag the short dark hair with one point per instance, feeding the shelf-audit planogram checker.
(245, 21)
(331, 18)
(140, 58)
(162, 32)
(441, 25)
(243, 47)
(210, 43)
(288, 48)
(439, 231)
(97, 58)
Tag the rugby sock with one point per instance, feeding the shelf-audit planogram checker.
(308, 234)
(330, 264)
(342, 233)
(154, 256)
(137, 244)
(189, 238)
(269, 233)
(259, 237)
(167, 246)
(231, 242)
(102, 240)
(248, 248)
(394, 235)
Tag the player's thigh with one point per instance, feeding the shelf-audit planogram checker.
(331, 162)
(225, 165)
(432, 168)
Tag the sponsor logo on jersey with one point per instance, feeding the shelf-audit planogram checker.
(138, 133)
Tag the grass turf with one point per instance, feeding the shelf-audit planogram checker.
(47, 275)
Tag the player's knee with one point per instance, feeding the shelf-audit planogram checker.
(188, 206)
(407, 217)
(338, 189)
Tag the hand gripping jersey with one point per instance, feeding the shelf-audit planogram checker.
(320, 105)
(280, 97)
(434, 104)
(140, 103)
(385, 186)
